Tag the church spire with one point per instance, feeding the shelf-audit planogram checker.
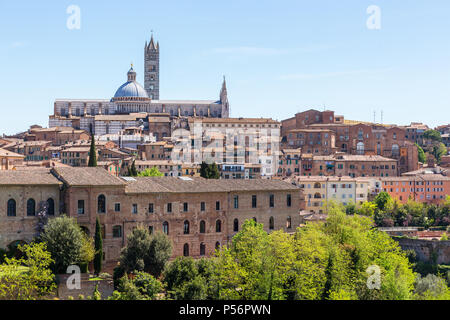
(152, 45)
(223, 91)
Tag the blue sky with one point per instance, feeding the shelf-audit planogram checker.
(279, 57)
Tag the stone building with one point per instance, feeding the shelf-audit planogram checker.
(21, 194)
(197, 214)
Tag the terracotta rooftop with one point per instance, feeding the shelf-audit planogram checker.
(234, 120)
(87, 176)
(9, 154)
(28, 177)
(195, 184)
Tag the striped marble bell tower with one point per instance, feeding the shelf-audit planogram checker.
(151, 73)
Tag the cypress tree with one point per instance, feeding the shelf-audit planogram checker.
(214, 171)
(98, 248)
(133, 172)
(92, 153)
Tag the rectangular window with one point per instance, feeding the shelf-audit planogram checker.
(202, 206)
(288, 200)
(236, 202)
(169, 207)
(217, 205)
(134, 209)
(150, 208)
(254, 201)
(117, 207)
(80, 206)
(271, 201)
(185, 207)
(150, 229)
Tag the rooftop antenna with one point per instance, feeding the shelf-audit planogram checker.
(381, 116)
(374, 115)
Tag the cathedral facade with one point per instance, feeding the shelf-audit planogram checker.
(132, 104)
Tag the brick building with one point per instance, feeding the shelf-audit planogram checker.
(424, 187)
(197, 214)
(315, 141)
(57, 135)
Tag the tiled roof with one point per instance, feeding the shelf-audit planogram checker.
(181, 102)
(9, 154)
(195, 184)
(234, 120)
(28, 177)
(87, 176)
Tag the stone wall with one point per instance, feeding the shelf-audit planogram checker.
(106, 287)
(427, 250)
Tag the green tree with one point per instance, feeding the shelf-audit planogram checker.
(382, 199)
(138, 246)
(421, 154)
(432, 135)
(431, 287)
(183, 280)
(204, 170)
(65, 240)
(147, 285)
(159, 253)
(142, 287)
(29, 277)
(366, 209)
(214, 171)
(145, 252)
(152, 172)
(87, 252)
(438, 151)
(209, 171)
(98, 258)
(92, 153)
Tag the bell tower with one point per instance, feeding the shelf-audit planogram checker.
(151, 73)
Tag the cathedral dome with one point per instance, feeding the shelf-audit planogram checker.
(131, 88)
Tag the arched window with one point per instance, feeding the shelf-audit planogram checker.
(378, 148)
(166, 227)
(317, 196)
(317, 185)
(101, 204)
(236, 225)
(395, 150)
(289, 222)
(360, 148)
(202, 226)
(217, 245)
(11, 208)
(186, 227)
(202, 249)
(218, 226)
(31, 207)
(186, 250)
(271, 223)
(51, 207)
